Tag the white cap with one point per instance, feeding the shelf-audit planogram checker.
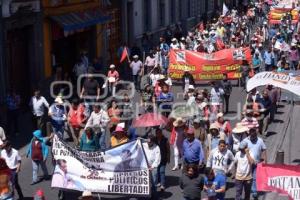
(182, 38)
(135, 56)
(191, 87)
(174, 40)
(112, 66)
(58, 100)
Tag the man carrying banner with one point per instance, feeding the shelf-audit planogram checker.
(153, 156)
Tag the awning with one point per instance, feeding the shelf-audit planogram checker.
(80, 20)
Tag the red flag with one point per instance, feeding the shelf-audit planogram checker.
(124, 54)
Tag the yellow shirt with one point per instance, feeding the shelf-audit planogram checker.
(115, 142)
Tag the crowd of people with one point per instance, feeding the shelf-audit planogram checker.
(203, 144)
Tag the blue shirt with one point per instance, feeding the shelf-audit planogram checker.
(166, 99)
(192, 151)
(219, 181)
(256, 148)
(268, 57)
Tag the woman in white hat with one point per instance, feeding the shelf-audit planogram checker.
(239, 133)
(112, 78)
(176, 140)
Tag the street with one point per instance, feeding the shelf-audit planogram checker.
(172, 177)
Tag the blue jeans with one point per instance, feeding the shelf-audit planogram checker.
(253, 187)
(154, 183)
(161, 175)
(102, 141)
(35, 169)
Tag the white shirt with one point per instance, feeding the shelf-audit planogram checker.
(2, 136)
(216, 96)
(243, 169)
(12, 159)
(99, 119)
(154, 78)
(38, 106)
(218, 161)
(136, 67)
(150, 61)
(152, 154)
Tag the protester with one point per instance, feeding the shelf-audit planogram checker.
(119, 137)
(13, 161)
(58, 117)
(239, 133)
(148, 99)
(136, 66)
(191, 183)
(258, 149)
(98, 121)
(177, 137)
(153, 156)
(90, 91)
(227, 87)
(2, 137)
(38, 104)
(219, 158)
(216, 95)
(114, 114)
(112, 79)
(38, 152)
(164, 100)
(192, 149)
(164, 147)
(77, 117)
(213, 138)
(6, 187)
(243, 177)
(89, 140)
(214, 184)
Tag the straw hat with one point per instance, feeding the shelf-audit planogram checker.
(179, 122)
(239, 128)
(220, 115)
(59, 100)
(214, 126)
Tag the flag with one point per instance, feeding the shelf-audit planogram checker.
(225, 9)
(124, 54)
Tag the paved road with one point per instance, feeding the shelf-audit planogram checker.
(172, 192)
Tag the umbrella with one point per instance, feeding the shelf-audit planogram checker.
(150, 119)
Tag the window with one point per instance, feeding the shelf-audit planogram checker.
(147, 15)
(161, 8)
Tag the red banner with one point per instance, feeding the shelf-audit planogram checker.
(205, 66)
(284, 179)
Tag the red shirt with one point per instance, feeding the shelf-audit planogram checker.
(76, 116)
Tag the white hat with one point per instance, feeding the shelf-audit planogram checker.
(182, 38)
(174, 40)
(191, 87)
(203, 105)
(205, 32)
(58, 100)
(260, 44)
(239, 128)
(86, 193)
(112, 66)
(265, 22)
(293, 44)
(220, 115)
(135, 56)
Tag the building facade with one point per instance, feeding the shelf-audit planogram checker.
(21, 58)
(153, 16)
(72, 28)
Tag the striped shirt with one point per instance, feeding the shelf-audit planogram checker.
(250, 123)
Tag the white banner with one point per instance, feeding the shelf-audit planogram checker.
(281, 80)
(121, 170)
